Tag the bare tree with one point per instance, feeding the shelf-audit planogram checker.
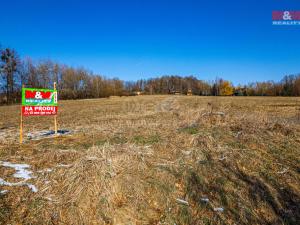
(8, 69)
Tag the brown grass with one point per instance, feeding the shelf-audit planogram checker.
(128, 159)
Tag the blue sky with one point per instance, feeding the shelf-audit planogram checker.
(140, 39)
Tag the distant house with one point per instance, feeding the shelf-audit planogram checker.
(138, 93)
(189, 92)
(240, 92)
(175, 92)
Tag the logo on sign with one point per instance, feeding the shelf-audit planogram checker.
(38, 95)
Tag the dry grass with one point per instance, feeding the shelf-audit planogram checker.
(129, 159)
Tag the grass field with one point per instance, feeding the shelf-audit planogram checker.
(156, 160)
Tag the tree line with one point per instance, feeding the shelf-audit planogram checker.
(80, 83)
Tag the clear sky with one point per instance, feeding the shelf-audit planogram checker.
(140, 39)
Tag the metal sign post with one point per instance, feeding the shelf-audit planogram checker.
(21, 121)
(55, 117)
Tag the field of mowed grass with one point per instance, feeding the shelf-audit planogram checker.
(155, 160)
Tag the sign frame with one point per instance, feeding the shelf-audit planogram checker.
(38, 104)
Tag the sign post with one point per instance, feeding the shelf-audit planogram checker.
(38, 102)
(21, 122)
(55, 117)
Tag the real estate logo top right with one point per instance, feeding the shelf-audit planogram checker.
(286, 17)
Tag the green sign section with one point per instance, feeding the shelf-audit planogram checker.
(39, 97)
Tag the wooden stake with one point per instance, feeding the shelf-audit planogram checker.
(21, 121)
(55, 117)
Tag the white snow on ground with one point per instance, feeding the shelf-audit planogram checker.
(63, 165)
(32, 187)
(218, 209)
(22, 172)
(21, 183)
(47, 134)
(3, 192)
(45, 170)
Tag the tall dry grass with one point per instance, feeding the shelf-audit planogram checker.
(158, 160)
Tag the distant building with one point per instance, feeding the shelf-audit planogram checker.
(189, 92)
(175, 92)
(137, 93)
(240, 91)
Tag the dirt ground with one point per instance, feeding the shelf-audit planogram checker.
(154, 160)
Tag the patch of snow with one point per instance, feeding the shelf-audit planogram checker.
(3, 192)
(21, 170)
(63, 165)
(21, 183)
(45, 170)
(3, 182)
(218, 209)
(204, 200)
(47, 134)
(32, 187)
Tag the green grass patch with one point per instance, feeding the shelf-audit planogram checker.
(189, 130)
(118, 140)
(142, 140)
(100, 142)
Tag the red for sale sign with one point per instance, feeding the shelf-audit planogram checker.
(39, 110)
